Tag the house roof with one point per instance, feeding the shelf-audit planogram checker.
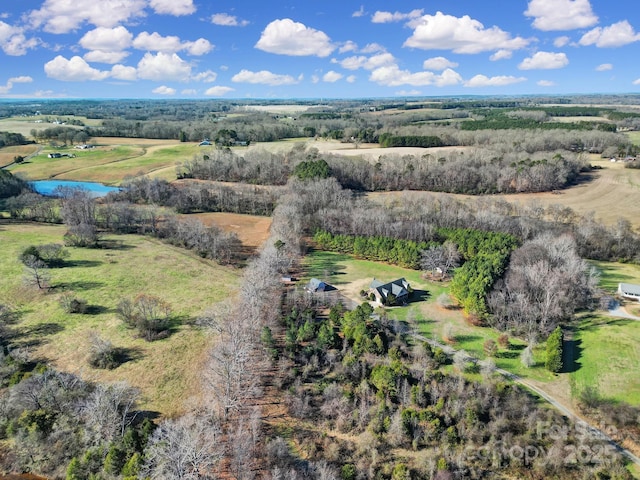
(398, 288)
(316, 284)
(629, 289)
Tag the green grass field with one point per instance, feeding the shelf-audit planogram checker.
(166, 370)
(350, 275)
(609, 355)
(107, 164)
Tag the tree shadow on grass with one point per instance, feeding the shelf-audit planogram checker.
(96, 310)
(77, 285)
(35, 335)
(508, 354)
(124, 355)
(571, 353)
(81, 263)
(113, 244)
(467, 338)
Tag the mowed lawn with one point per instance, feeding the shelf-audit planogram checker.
(609, 356)
(167, 371)
(350, 275)
(108, 164)
(608, 349)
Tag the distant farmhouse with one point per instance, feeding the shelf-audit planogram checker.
(392, 293)
(629, 290)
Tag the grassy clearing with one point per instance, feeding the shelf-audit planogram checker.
(350, 275)
(609, 355)
(107, 164)
(167, 370)
(612, 273)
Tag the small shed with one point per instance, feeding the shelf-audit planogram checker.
(317, 285)
(629, 290)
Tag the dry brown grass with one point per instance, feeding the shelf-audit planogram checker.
(608, 192)
(8, 153)
(252, 230)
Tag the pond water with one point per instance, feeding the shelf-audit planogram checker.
(47, 187)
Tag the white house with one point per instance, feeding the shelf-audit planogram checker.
(629, 290)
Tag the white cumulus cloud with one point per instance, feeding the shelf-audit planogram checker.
(545, 83)
(461, 35)
(604, 67)
(72, 70)
(13, 41)
(561, 41)
(368, 63)
(207, 76)
(393, 76)
(64, 16)
(286, 37)
(106, 45)
(163, 67)
(636, 81)
(616, 35)
(351, 79)
(123, 72)
(544, 61)
(154, 42)
(438, 64)
(218, 91)
(105, 57)
(551, 15)
(13, 80)
(107, 39)
(164, 90)
(498, 81)
(501, 55)
(388, 17)
(226, 20)
(331, 76)
(173, 7)
(264, 77)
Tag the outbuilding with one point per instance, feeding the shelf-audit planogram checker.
(629, 290)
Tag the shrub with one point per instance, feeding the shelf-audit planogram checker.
(503, 340)
(526, 357)
(490, 348)
(72, 304)
(102, 353)
(149, 314)
(553, 362)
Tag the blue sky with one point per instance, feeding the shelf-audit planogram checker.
(309, 49)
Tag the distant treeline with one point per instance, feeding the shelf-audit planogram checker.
(425, 141)
(474, 173)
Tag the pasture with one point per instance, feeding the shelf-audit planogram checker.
(252, 230)
(608, 357)
(109, 163)
(7, 154)
(166, 371)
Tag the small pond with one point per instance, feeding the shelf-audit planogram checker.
(47, 187)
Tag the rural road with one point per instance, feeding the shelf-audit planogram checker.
(596, 432)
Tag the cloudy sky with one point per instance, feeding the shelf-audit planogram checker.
(309, 49)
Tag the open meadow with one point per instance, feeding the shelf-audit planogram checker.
(109, 162)
(167, 370)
